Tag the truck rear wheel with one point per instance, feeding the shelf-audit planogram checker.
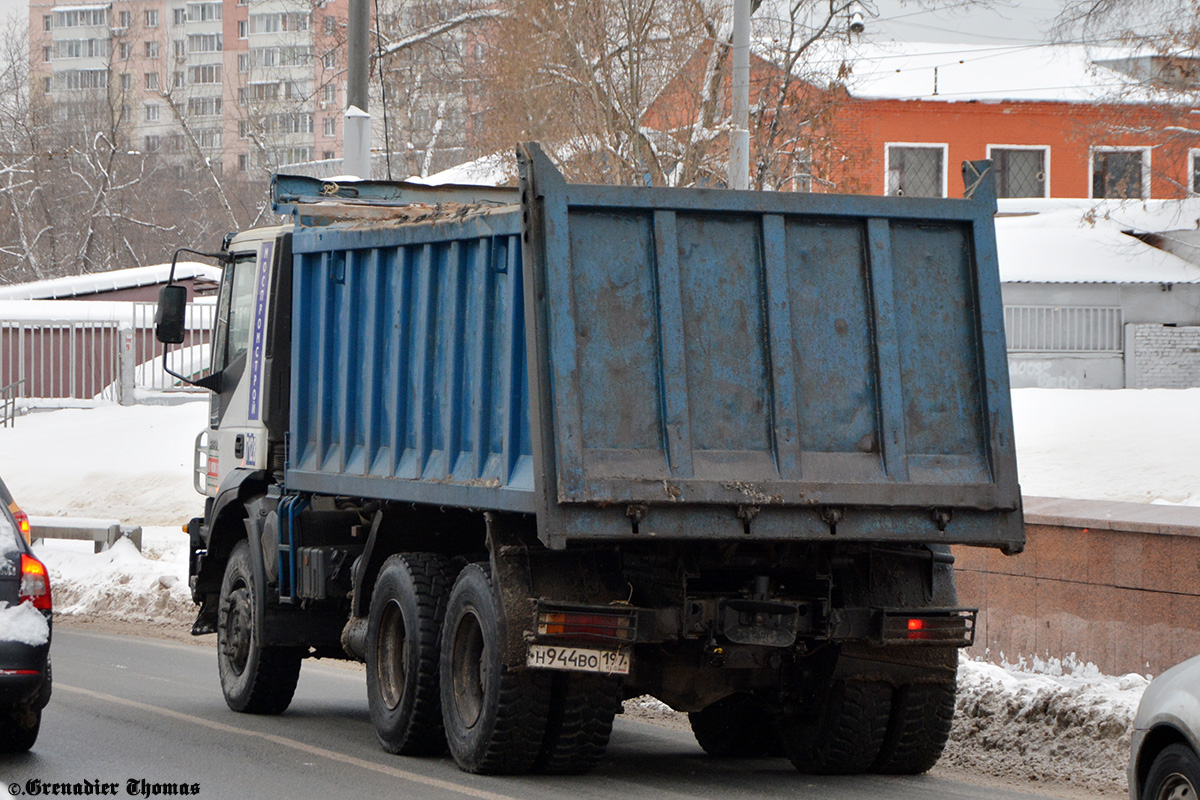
(582, 708)
(254, 679)
(920, 725)
(407, 607)
(737, 726)
(495, 717)
(845, 732)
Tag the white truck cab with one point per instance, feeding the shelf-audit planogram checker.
(237, 434)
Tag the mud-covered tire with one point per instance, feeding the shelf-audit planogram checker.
(918, 729)
(495, 717)
(844, 733)
(254, 679)
(19, 728)
(579, 723)
(738, 726)
(405, 620)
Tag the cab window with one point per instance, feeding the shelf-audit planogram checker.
(235, 310)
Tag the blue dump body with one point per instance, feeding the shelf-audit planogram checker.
(634, 363)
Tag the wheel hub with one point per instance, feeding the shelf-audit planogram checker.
(235, 628)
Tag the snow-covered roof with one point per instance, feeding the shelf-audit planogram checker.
(497, 169)
(961, 72)
(1086, 241)
(96, 282)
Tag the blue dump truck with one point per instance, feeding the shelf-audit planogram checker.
(527, 453)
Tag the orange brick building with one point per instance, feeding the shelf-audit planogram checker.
(1061, 121)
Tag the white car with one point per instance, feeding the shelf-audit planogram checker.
(1163, 760)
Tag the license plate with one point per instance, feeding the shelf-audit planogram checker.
(579, 659)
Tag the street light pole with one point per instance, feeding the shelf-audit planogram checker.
(739, 134)
(356, 129)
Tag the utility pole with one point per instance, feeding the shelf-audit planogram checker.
(739, 135)
(356, 130)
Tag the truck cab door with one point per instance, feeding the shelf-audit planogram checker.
(237, 436)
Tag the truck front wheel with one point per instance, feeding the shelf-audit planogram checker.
(254, 679)
(495, 717)
(407, 607)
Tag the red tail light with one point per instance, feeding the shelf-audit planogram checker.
(22, 523)
(35, 583)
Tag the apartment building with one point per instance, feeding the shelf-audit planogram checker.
(245, 84)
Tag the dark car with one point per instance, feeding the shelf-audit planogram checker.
(24, 638)
(21, 518)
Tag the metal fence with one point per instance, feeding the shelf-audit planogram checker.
(64, 359)
(1064, 329)
(8, 403)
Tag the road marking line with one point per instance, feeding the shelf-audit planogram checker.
(283, 741)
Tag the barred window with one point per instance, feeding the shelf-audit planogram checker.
(1020, 171)
(1120, 173)
(916, 170)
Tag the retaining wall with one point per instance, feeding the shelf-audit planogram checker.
(1117, 584)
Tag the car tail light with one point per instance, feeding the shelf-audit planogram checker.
(22, 523)
(35, 583)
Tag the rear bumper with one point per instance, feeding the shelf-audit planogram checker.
(24, 672)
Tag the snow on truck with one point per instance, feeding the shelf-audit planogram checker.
(529, 452)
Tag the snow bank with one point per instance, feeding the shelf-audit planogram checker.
(132, 463)
(1132, 445)
(121, 583)
(1049, 721)
(23, 623)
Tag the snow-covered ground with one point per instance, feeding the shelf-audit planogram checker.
(1040, 721)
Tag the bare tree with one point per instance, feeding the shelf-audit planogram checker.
(1152, 47)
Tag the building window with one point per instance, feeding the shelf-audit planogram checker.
(243, 29)
(1120, 172)
(47, 22)
(1194, 167)
(330, 25)
(204, 12)
(242, 96)
(179, 15)
(152, 81)
(243, 62)
(125, 51)
(46, 52)
(126, 81)
(151, 49)
(177, 79)
(1020, 171)
(46, 84)
(329, 60)
(329, 155)
(180, 48)
(330, 93)
(916, 170)
(151, 17)
(206, 73)
(126, 19)
(150, 143)
(331, 126)
(205, 43)
(243, 162)
(152, 112)
(204, 106)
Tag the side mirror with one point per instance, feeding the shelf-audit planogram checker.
(169, 318)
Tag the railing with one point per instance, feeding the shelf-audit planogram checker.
(8, 403)
(1063, 329)
(65, 356)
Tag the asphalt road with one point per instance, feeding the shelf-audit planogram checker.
(145, 710)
